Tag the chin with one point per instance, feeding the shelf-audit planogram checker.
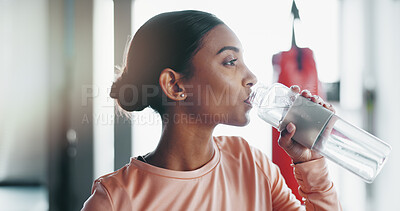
(243, 121)
(246, 122)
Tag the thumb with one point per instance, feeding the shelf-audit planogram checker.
(285, 141)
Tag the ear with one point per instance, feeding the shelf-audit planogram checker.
(171, 85)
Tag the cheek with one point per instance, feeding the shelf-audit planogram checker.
(227, 90)
(216, 87)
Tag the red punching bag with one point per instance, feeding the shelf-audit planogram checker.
(293, 67)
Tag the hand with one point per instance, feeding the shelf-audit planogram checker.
(296, 151)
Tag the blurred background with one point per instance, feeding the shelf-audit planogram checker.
(58, 131)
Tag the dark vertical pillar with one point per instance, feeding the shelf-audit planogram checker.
(57, 114)
(70, 174)
(80, 131)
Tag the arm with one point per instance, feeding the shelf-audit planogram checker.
(99, 200)
(312, 176)
(315, 187)
(282, 196)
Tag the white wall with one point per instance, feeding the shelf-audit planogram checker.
(386, 38)
(24, 91)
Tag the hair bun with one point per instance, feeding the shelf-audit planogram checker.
(126, 96)
(114, 90)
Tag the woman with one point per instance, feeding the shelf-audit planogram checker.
(188, 66)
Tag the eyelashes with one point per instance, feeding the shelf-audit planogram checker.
(230, 62)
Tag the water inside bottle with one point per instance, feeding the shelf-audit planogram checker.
(355, 150)
(270, 115)
(273, 103)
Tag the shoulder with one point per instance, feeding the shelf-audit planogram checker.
(117, 179)
(115, 185)
(100, 199)
(238, 148)
(232, 143)
(237, 144)
(104, 194)
(113, 178)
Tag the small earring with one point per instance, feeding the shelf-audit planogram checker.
(182, 95)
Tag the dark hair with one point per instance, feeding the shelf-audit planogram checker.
(168, 40)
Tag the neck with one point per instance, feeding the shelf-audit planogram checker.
(183, 146)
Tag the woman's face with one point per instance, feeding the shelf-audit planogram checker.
(220, 86)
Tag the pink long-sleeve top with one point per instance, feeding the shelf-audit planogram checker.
(238, 177)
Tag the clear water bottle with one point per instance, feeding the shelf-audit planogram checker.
(319, 129)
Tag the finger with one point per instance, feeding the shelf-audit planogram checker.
(291, 147)
(285, 140)
(305, 93)
(329, 107)
(295, 88)
(317, 99)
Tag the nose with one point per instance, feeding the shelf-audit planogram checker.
(249, 78)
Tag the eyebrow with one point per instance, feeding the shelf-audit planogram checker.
(232, 48)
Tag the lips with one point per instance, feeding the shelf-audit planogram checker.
(247, 101)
